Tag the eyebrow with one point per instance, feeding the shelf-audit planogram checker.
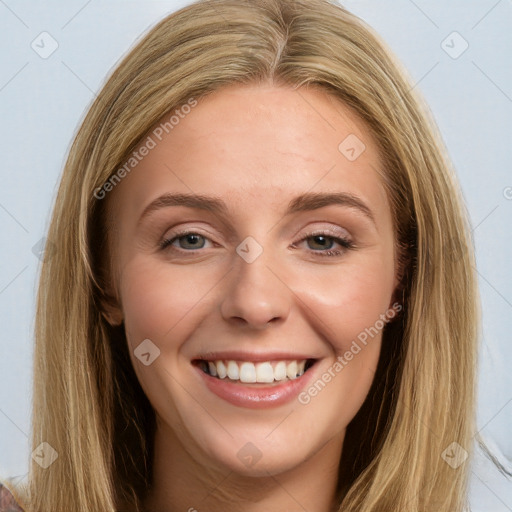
(314, 201)
(305, 202)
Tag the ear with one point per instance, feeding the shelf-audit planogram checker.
(111, 310)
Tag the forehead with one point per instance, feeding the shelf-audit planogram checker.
(254, 143)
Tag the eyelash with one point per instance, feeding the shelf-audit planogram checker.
(343, 242)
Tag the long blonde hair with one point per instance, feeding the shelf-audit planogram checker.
(87, 403)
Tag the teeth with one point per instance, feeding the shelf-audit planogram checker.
(291, 370)
(221, 370)
(212, 368)
(264, 372)
(280, 371)
(246, 371)
(233, 372)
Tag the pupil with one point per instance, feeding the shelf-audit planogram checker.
(321, 242)
(192, 240)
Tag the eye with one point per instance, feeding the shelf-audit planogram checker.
(187, 241)
(320, 242)
(325, 244)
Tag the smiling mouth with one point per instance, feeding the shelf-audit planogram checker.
(248, 372)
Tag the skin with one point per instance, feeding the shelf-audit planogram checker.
(256, 148)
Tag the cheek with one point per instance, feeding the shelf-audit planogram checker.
(347, 305)
(347, 301)
(158, 300)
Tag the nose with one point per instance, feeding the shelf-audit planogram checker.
(256, 296)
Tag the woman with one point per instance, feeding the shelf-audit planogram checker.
(261, 295)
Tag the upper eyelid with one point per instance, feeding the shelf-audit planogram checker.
(187, 231)
(335, 233)
(331, 232)
(232, 235)
(309, 232)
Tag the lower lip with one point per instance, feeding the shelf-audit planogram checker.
(240, 395)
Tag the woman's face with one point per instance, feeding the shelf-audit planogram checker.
(255, 239)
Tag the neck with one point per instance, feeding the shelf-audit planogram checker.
(181, 483)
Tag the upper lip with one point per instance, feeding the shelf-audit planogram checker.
(239, 355)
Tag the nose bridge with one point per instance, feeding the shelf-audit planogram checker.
(255, 295)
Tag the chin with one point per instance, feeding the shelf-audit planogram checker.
(257, 451)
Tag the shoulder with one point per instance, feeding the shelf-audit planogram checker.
(7, 501)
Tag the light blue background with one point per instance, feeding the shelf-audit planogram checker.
(43, 100)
